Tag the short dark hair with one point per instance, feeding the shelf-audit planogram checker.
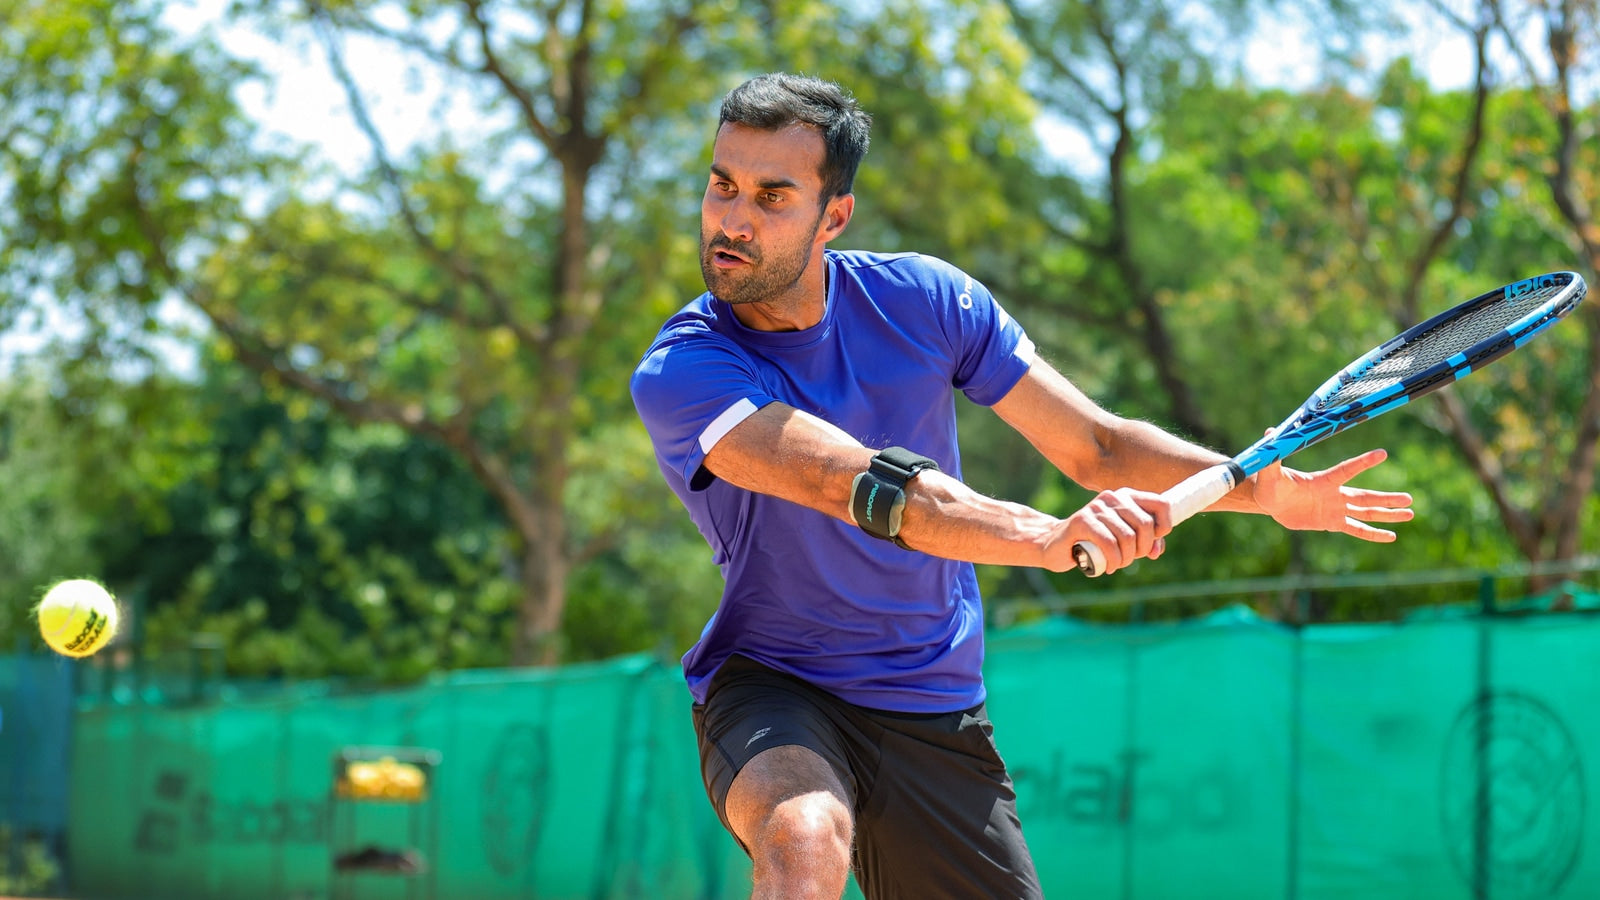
(777, 100)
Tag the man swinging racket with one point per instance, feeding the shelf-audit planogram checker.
(803, 411)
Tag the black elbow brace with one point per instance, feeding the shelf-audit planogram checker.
(878, 495)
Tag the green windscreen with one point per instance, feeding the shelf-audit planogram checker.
(1226, 758)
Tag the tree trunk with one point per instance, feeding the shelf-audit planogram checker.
(545, 568)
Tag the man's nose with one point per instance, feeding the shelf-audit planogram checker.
(737, 222)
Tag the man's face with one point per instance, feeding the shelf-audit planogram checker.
(762, 211)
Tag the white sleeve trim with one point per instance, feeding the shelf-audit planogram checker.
(725, 423)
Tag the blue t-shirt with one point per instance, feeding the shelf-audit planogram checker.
(807, 593)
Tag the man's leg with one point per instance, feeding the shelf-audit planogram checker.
(777, 772)
(790, 811)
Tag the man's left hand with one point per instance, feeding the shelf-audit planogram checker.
(1325, 501)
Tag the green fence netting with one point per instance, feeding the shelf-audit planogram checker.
(35, 703)
(1227, 757)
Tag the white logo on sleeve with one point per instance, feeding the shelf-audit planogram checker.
(758, 736)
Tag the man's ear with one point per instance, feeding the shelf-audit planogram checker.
(837, 216)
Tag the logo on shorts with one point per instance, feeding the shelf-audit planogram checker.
(758, 736)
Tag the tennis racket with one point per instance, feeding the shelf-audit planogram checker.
(1418, 361)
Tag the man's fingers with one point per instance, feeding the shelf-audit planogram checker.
(1127, 525)
(1360, 529)
(1398, 513)
(1355, 465)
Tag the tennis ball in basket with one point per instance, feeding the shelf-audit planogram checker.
(77, 617)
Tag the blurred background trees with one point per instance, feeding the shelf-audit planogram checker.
(362, 409)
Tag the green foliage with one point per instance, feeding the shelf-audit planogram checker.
(43, 535)
(315, 549)
(1276, 232)
(81, 463)
(312, 548)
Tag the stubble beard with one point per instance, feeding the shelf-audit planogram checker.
(763, 279)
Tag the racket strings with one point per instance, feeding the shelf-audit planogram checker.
(1474, 326)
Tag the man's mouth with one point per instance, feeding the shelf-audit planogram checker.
(728, 258)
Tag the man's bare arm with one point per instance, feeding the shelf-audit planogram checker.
(1099, 450)
(790, 454)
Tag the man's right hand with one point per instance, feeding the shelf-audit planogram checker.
(1125, 524)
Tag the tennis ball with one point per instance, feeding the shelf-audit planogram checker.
(77, 617)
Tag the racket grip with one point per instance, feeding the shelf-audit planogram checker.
(1192, 495)
(1186, 498)
(1090, 560)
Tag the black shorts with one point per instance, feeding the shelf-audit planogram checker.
(935, 812)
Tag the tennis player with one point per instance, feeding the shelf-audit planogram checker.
(803, 411)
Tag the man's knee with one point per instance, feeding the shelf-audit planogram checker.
(807, 830)
(791, 811)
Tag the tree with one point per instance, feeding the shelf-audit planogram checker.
(457, 312)
(1108, 70)
(1493, 187)
(1551, 525)
(1229, 228)
(443, 269)
(489, 296)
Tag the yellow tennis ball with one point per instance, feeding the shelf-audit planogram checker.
(77, 617)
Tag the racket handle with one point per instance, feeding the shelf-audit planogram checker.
(1090, 560)
(1187, 498)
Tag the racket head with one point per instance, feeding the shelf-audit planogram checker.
(1423, 359)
